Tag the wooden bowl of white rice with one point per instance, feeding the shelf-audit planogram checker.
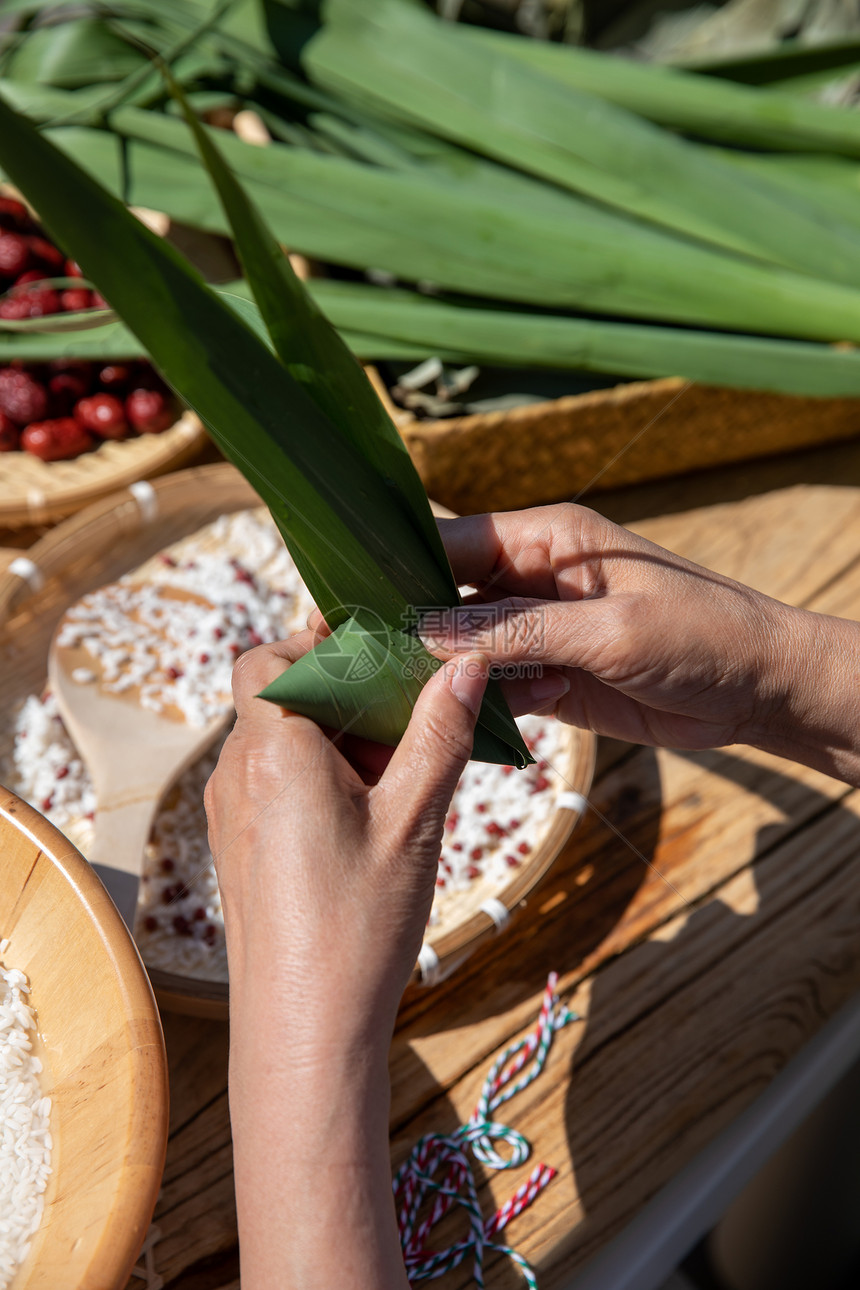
(83, 1071)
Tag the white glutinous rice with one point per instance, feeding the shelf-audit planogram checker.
(25, 1144)
(240, 565)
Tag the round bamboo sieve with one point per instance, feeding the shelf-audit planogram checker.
(116, 535)
(40, 492)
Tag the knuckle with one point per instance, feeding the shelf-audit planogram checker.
(210, 795)
(521, 629)
(437, 731)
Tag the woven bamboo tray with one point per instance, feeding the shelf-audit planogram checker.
(644, 430)
(116, 535)
(41, 492)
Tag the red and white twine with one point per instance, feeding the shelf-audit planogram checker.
(437, 1176)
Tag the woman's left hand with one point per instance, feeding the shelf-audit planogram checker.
(327, 876)
(327, 870)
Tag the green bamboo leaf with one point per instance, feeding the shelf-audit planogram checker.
(314, 354)
(519, 241)
(385, 323)
(381, 324)
(59, 324)
(558, 251)
(318, 359)
(218, 365)
(76, 53)
(683, 100)
(371, 680)
(788, 60)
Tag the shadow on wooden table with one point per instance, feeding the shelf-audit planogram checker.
(563, 927)
(686, 1029)
(196, 1213)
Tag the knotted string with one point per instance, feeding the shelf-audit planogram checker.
(437, 1170)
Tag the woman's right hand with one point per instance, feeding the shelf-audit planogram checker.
(646, 646)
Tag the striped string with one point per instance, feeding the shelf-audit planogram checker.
(436, 1176)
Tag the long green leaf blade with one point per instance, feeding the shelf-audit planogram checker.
(314, 354)
(310, 349)
(697, 104)
(220, 368)
(559, 254)
(395, 55)
(384, 324)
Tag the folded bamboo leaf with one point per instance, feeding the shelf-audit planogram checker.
(357, 674)
(394, 54)
(317, 358)
(696, 104)
(351, 543)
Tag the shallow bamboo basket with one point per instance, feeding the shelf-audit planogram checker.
(42, 492)
(116, 535)
(644, 430)
(101, 1046)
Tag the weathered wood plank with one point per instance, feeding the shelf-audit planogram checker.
(788, 544)
(677, 827)
(682, 1033)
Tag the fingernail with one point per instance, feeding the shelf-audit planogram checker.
(550, 685)
(469, 679)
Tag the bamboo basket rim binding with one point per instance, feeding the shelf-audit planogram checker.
(40, 492)
(33, 491)
(115, 535)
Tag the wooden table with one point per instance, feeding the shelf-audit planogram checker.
(703, 919)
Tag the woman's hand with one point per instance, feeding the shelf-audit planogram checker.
(645, 646)
(327, 875)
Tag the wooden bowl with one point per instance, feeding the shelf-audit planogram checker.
(117, 535)
(102, 1049)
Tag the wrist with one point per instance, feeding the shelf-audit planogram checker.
(316, 1025)
(807, 695)
(311, 1165)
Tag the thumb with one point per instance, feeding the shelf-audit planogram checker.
(420, 779)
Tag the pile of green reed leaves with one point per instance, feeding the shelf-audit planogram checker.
(535, 205)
